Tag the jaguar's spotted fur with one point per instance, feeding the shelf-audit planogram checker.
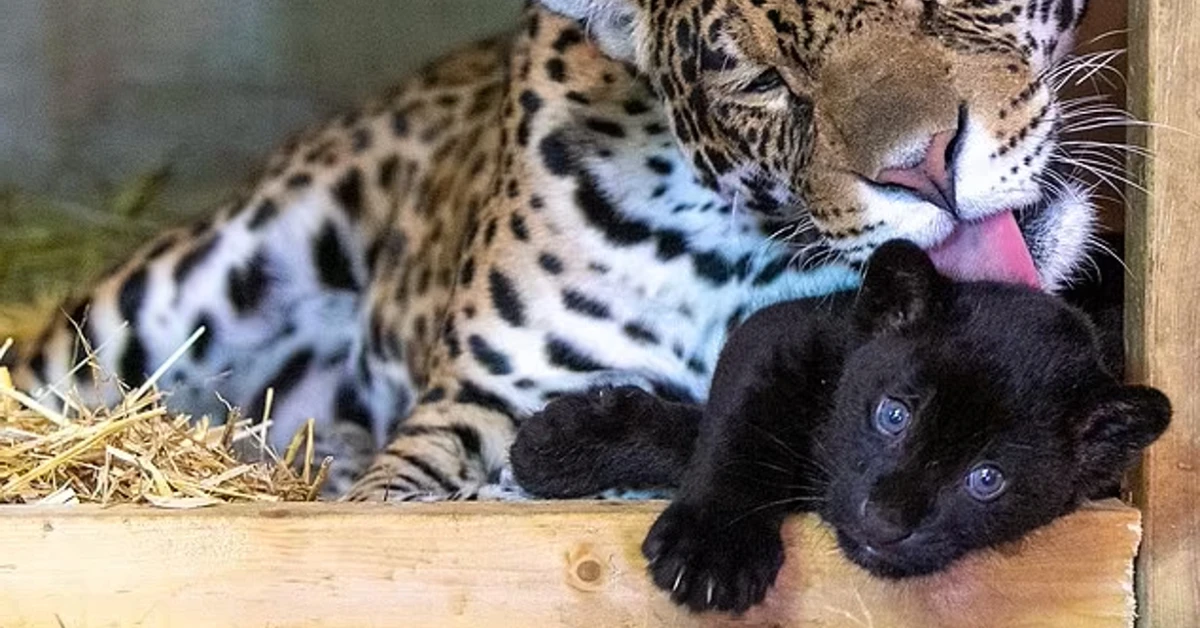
(593, 200)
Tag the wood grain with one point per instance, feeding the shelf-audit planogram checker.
(1163, 301)
(558, 564)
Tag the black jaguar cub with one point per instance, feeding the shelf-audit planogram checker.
(922, 419)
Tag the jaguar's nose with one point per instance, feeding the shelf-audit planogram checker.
(932, 179)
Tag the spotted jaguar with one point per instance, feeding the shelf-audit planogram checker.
(594, 199)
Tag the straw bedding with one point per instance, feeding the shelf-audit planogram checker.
(137, 452)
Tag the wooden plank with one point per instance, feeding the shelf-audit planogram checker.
(538, 564)
(1163, 313)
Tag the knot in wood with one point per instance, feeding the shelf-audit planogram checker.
(585, 571)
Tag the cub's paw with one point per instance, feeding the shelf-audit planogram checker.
(602, 415)
(566, 449)
(714, 561)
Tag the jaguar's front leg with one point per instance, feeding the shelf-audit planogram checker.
(445, 450)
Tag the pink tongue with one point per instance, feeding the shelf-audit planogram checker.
(991, 249)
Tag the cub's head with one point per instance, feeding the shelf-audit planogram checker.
(873, 119)
(972, 414)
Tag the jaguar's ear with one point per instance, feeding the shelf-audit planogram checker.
(612, 23)
(1050, 37)
(901, 287)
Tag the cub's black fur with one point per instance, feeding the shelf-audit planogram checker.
(922, 419)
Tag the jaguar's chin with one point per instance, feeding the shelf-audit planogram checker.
(1059, 230)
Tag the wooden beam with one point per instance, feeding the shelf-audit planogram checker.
(538, 564)
(1163, 301)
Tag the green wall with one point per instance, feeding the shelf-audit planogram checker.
(117, 116)
(93, 93)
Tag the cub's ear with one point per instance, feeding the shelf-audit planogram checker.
(1120, 425)
(901, 287)
(610, 22)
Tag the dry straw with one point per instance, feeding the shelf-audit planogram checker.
(138, 452)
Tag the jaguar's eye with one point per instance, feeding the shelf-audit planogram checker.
(767, 81)
(892, 416)
(986, 482)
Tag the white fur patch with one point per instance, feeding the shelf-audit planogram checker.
(1060, 234)
(611, 23)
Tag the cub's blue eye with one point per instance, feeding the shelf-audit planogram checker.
(892, 416)
(986, 482)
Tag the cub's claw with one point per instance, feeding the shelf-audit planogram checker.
(714, 560)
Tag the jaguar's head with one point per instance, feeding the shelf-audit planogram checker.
(868, 120)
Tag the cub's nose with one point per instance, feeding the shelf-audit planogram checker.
(880, 525)
(932, 179)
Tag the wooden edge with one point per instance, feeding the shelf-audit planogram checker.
(1162, 319)
(526, 564)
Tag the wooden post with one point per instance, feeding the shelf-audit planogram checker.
(1163, 313)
